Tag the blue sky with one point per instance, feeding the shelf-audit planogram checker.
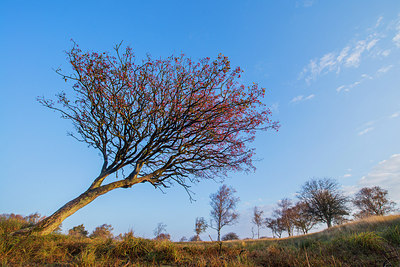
(330, 70)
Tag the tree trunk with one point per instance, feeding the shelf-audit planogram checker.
(49, 224)
(329, 223)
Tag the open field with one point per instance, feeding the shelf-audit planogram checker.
(370, 242)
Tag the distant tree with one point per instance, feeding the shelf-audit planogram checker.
(303, 220)
(276, 226)
(34, 218)
(200, 227)
(223, 205)
(163, 236)
(159, 121)
(286, 215)
(183, 239)
(104, 231)
(160, 231)
(195, 238)
(78, 231)
(230, 236)
(373, 201)
(257, 220)
(324, 200)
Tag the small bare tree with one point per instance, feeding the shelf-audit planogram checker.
(303, 220)
(373, 201)
(160, 231)
(223, 205)
(286, 214)
(275, 225)
(257, 220)
(200, 226)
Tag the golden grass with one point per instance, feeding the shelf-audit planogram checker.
(370, 242)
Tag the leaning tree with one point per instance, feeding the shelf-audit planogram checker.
(158, 121)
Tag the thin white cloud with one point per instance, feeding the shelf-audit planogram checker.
(355, 52)
(309, 97)
(274, 107)
(347, 175)
(297, 99)
(395, 115)
(385, 69)
(385, 53)
(343, 54)
(300, 98)
(396, 39)
(348, 87)
(386, 175)
(371, 44)
(378, 22)
(367, 130)
(340, 88)
(353, 60)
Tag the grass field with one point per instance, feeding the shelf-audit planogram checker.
(371, 242)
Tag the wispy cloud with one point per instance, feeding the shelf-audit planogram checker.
(364, 77)
(302, 98)
(352, 54)
(395, 115)
(385, 69)
(386, 174)
(371, 125)
(396, 38)
(274, 107)
(385, 53)
(378, 22)
(353, 60)
(347, 175)
(348, 87)
(367, 130)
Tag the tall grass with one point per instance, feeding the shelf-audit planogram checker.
(371, 242)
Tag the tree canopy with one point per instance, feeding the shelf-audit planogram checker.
(158, 120)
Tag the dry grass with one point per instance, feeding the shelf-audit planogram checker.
(371, 242)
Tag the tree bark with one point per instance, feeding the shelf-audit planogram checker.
(329, 223)
(49, 224)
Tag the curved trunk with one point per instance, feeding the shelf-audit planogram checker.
(49, 224)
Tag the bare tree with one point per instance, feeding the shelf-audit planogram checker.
(373, 201)
(286, 214)
(223, 205)
(199, 227)
(160, 231)
(324, 200)
(303, 220)
(159, 121)
(258, 220)
(275, 225)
